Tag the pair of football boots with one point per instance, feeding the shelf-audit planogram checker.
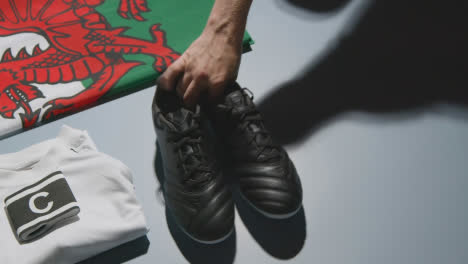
(195, 189)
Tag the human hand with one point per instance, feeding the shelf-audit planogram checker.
(209, 65)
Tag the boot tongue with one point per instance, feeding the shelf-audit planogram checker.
(182, 119)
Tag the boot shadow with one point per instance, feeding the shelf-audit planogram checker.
(281, 238)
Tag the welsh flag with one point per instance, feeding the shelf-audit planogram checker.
(59, 57)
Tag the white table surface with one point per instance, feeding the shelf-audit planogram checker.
(378, 188)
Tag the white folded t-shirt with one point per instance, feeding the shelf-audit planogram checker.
(110, 214)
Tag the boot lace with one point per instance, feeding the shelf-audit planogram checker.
(197, 170)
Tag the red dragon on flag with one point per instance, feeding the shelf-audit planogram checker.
(74, 43)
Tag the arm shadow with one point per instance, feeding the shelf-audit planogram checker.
(401, 58)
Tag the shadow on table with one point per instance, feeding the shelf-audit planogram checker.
(195, 252)
(122, 253)
(400, 59)
(281, 238)
(199, 253)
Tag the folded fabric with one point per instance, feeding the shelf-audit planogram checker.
(62, 56)
(37, 208)
(43, 184)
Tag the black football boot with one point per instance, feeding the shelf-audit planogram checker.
(266, 177)
(193, 188)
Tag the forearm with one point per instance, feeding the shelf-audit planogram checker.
(228, 19)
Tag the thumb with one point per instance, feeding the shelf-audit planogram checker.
(168, 80)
